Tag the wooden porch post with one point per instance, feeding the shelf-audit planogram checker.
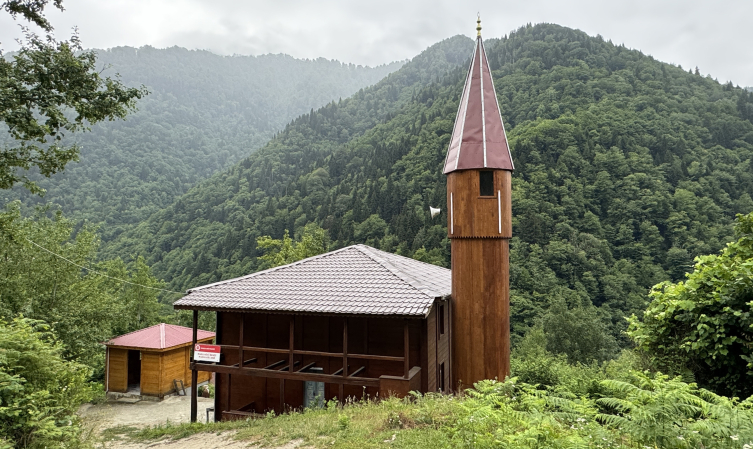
(292, 341)
(291, 362)
(107, 369)
(345, 360)
(194, 372)
(406, 347)
(240, 342)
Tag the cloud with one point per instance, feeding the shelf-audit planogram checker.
(715, 36)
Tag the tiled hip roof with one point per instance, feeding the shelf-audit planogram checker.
(159, 336)
(356, 280)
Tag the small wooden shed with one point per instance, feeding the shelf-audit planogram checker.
(148, 361)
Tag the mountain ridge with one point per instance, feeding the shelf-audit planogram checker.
(205, 112)
(626, 169)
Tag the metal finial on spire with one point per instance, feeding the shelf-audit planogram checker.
(478, 25)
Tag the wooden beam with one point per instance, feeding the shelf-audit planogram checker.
(306, 367)
(240, 338)
(385, 358)
(292, 340)
(287, 367)
(246, 362)
(274, 365)
(345, 347)
(406, 349)
(357, 371)
(274, 374)
(107, 369)
(227, 393)
(218, 384)
(194, 372)
(341, 387)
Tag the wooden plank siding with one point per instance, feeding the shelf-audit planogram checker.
(479, 228)
(432, 333)
(443, 347)
(474, 216)
(158, 369)
(151, 373)
(117, 380)
(173, 367)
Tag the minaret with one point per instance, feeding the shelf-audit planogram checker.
(479, 168)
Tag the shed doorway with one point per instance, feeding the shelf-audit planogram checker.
(134, 371)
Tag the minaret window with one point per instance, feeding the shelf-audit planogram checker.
(486, 183)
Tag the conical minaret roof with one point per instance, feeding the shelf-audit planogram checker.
(478, 138)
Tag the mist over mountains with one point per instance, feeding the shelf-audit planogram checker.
(204, 113)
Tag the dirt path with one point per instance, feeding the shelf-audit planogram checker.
(175, 409)
(199, 441)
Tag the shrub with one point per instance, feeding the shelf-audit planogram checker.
(39, 391)
(704, 325)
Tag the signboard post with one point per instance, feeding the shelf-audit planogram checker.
(206, 353)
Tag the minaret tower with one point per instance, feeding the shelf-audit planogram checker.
(479, 169)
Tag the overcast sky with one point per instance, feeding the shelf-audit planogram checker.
(715, 35)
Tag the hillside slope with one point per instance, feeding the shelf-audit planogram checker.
(626, 168)
(204, 113)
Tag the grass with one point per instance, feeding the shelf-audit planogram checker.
(646, 410)
(362, 425)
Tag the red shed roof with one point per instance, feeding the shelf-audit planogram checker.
(478, 138)
(159, 336)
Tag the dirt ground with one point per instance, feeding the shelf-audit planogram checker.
(175, 409)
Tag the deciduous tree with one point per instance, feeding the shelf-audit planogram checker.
(47, 89)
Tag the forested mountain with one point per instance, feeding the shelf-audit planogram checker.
(626, 168)
(205, 112)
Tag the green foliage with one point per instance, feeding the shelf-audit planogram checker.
(626, 169)
(704, 325)
(629, 410)
(82, 307)
(663, 412)
(47, 89)
(204, 113)
(313, 241)
(579, 333)
(40, 391)
(646, 411)
(533, 364)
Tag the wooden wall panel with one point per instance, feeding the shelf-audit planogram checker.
(118, 366)
(470, 215)
(481, 323)
(432, 339)
(151, 373)
(443, 347)
(174, 367)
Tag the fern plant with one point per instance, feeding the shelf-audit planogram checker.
(660, 411)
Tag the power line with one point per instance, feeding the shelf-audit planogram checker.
(98, 272)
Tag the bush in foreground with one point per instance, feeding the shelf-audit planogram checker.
(639, 410)
(39, 390)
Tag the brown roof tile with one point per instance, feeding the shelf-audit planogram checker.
(356, 280)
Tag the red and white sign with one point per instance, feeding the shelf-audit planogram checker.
(206, 353)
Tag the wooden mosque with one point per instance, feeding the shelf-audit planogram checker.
(358, 321)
